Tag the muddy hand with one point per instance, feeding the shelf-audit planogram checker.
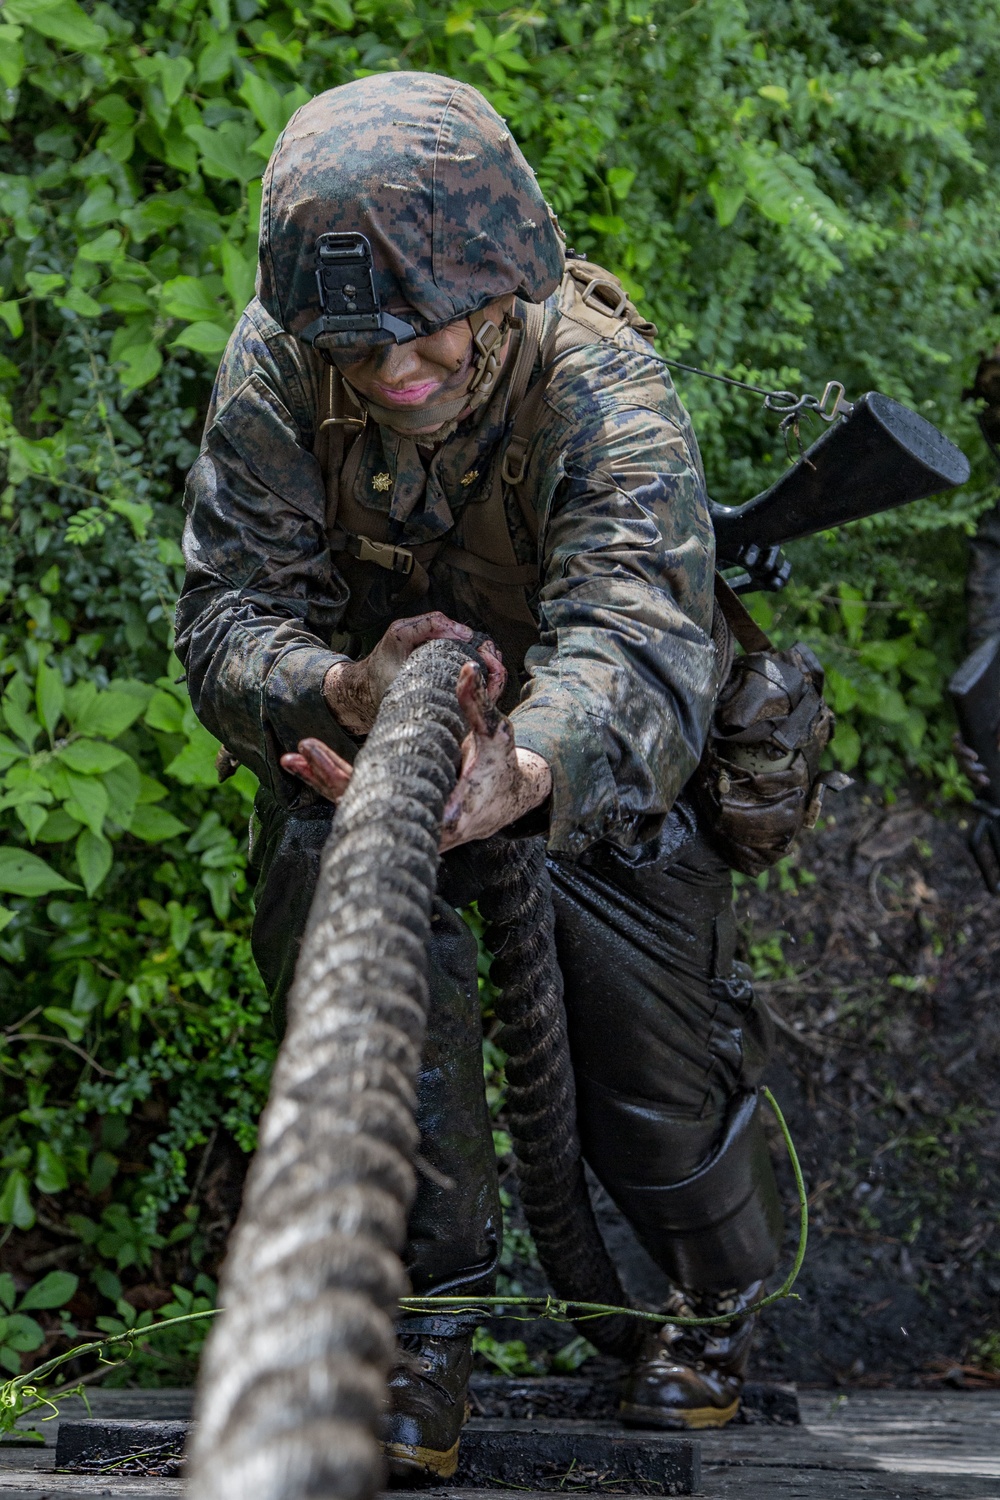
(353, 690)
(497, 782)
(319, 767)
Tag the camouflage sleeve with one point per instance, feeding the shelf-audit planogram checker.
(623, 684)
(983, 583)
(261, 597)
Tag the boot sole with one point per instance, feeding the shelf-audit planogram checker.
(680, 1418)
(407, 1461)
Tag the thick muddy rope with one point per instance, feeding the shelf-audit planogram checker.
(293, 1378)
(541, 1095)
(294, 1374)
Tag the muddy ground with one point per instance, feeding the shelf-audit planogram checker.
(882, 973)
(879, 952)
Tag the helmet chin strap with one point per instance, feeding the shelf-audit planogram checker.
(487, 342)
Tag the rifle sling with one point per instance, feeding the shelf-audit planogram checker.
(739, 619)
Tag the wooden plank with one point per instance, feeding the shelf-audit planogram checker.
(855, 1445)
(586, 1456)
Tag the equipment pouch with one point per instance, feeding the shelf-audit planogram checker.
(759, 784)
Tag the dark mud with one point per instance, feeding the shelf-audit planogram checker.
(882, 973)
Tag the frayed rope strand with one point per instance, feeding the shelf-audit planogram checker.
(560, 1310)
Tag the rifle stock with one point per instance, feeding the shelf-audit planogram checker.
(880, 456)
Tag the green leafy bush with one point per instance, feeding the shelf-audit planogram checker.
(793, 191)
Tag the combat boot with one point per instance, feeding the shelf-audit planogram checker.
(692, 1377)
(428, 1391)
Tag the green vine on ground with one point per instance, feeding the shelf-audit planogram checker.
(27, 1393)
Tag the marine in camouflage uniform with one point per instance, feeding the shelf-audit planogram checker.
(579, 541)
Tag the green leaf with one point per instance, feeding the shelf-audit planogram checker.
(141, 364)
(154, 824)
(165, 713)
(11, 57)
(136, 512)
(24, 874)
(174, 74)
(54, 1290)
(338, 12)
(74, 1026)
(61, 20)
(9, 752)
(151, 790)
(15, 1200)
(79, 302)
(853, 610)
(93, 857)
(192, 297)
(203, 338)
(6, 917)
(58, 828)
(113, 109)
(239, 273)
(620, 180)
(99, 207)
(90, 757)
(728, 199)
(219, 884)
(88, 801)
(21, 1333)
(50, 1176)
(265, 101)
(125, 297)
(8, 1290)
(33, 816)
(104, 248)
(50, 696)
(846, 746)
(88, 992)
(225, 150)
(43, 285)
(111, 712)
(195, 765)
(123, 785)
(10, 312)
(607, 223)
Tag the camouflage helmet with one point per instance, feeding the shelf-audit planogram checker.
(428, 172)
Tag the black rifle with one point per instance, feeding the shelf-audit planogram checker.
(975, 692)
(877, 456)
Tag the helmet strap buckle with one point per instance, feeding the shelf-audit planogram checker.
(487, 340)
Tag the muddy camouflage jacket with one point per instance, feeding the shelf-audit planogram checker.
(616, 692)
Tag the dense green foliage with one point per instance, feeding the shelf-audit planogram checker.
(794, 191)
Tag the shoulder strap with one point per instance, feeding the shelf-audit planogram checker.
(488, 552)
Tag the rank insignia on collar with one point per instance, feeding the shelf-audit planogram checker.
(469, 478)
(382, 482)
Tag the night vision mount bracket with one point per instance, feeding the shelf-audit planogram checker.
(345, 277)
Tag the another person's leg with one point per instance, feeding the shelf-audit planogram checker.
(455, 1225)
(668, 1043)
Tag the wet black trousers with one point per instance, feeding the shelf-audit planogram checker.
(667, 1036)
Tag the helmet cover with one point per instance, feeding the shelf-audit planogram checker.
(427, 170)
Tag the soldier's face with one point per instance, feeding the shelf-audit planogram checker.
(422, 373)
